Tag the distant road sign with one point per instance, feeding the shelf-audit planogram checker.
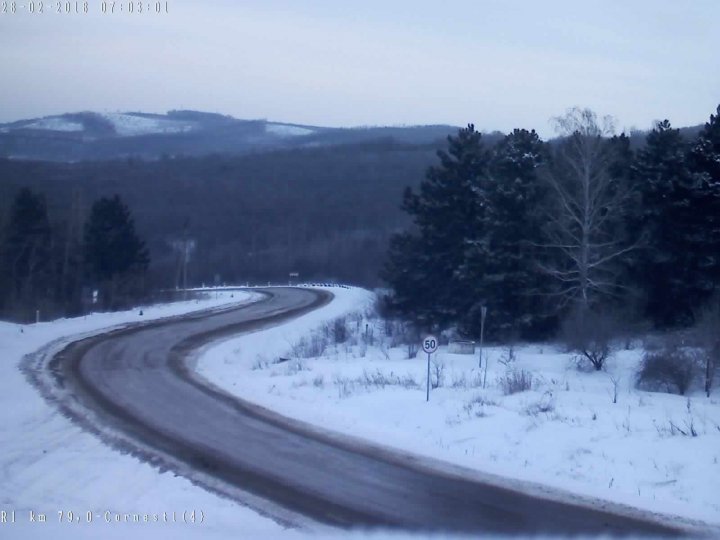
(430, 344)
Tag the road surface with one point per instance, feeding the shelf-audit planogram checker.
(138, 381)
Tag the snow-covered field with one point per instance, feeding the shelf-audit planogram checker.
(565, 433)
(49, 465)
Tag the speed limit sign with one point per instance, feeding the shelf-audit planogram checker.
(430, 344)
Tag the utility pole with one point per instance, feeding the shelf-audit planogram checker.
(185, 263)
(185, 257)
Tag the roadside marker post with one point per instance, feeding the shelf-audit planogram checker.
(429, 345)
(483, 314)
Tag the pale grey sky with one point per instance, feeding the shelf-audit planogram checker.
(498, 63)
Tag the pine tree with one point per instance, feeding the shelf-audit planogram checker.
(510, 279)
(706, 152)
(405, 270)
(426, 269)
(114, 253)
(705, 236)
(665, 265)
(26, 253)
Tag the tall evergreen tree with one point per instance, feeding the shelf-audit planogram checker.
(26, 253)
(507, 279)
(705, 154)
(705, 165)
(665, 266)
(114, 254)
(424, 269)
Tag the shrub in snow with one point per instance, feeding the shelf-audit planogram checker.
(461, 380)
(590, 334)
(310, 347)
(375, 378)
(402, 333)
(672, 368)
(545, 404)
(260, 362)
(438, 374)
(515, 381)
(346, 386)
(294, 367)
(508, 357)
(340, 330)
(476, 406)
(615, 386)
(672, 429)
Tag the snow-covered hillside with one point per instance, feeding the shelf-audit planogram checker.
(287, 130)
(131, 125)
(55, 123)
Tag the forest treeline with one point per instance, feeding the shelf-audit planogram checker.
(96, 264)
(327, 212)
(539, 233)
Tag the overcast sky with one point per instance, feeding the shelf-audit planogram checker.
(498, 63)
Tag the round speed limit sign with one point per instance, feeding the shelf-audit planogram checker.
(430, 344)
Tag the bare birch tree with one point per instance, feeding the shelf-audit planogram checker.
(587, 204)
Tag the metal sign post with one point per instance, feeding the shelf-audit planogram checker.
(483, 311)
(483, 314)
(429, 345)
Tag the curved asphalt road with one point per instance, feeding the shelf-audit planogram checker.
(137, 377)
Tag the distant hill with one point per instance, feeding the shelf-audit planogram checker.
(90, 136)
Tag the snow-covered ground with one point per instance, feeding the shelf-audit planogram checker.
(49, 465)
(565, 433)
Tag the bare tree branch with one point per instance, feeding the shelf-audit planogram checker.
(588, 203)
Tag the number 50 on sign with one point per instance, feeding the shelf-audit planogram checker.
(430, 344)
